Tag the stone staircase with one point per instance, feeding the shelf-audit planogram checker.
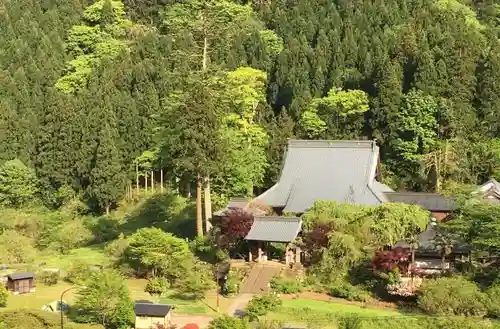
(259, 278)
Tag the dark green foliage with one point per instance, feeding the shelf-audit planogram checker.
(261, 305)
(349, 292)
(451, 296)
(406, 57)
(38, 319)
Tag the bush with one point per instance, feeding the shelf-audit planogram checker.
(286, 286)
(349, 292)
(228, 322)
(38, 319)
(197, 282)
(156, 286)
(261, 305)
(235, 276)
(4, 295)
(48, 278)
(78, 273)
(493, 302)
(451, 296)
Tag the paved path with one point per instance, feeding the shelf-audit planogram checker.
(237, 308)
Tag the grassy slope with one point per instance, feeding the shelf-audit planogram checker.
(306, 312)
(47, 294)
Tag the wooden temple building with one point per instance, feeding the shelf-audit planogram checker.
(342, 171)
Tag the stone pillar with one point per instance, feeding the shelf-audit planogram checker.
(259, 252)
(297, 255)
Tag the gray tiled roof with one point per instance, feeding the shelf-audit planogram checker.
(427, 244)
(150, 309)
(429, 201)
(342, 171)
(21, 276)
(274, 229)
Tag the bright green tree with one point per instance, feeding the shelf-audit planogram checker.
(161, 253)
(105, 300)
(338, 115)
(245, 162)
(18, 184)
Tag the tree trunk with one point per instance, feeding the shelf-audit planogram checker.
(208, 205)
(443, 262)
(199, 212)
(161, 180)
(152, 181)
(146, 181)
(107, 208)
(412, 259)
(205, 53)
(137, 179)
(208, 201)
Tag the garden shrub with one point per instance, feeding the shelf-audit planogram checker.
(286, 286)
(157, 286)
(38, 319)
(349, 292)
(235, 276)
(493, 302)
(48, 278)
(451, 296)
(228, 322)
(4, 295)
(78, 273)
(261, 305)
(421, 322)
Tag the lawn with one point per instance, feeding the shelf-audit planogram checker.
(47, 294)
(306, 312)
(92, 255)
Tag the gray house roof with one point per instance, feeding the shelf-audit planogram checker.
(21, 276)
(342, 171)
(427, 244)
(429, 201)
(274, 229)
(150, 309)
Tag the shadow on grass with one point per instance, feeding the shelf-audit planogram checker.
(167, 211)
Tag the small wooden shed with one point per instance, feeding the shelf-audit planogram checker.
(21, 283)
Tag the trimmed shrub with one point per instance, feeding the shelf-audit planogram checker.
(286, 286)
(228, 322)
(451, 296)
(349, 292)
(157, 286)
(48, 278)
(261, 305)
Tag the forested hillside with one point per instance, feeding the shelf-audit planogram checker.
(94, 92)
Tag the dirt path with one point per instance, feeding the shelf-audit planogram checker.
(237, 308)
(201, 320)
